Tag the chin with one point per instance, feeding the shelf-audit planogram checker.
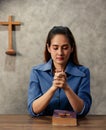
(61, 62)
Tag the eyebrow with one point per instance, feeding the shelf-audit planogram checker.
(66, 44)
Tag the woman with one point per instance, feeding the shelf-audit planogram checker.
(60, 83)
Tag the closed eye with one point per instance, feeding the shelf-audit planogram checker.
(65, 48)
(55, 48)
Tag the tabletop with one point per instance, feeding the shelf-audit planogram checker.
(26, 122)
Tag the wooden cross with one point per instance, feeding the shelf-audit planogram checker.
(10, 24)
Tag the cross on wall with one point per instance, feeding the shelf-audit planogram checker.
(10, 24)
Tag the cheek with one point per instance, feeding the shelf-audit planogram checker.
(53, 53)
(67, 52)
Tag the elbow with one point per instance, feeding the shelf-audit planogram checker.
(35, 108)
(30, 110)
(85, 110)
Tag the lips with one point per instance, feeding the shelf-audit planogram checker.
(60, 58)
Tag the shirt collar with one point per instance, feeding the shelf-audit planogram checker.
(73, 70)
(47, 66)
(70, 68)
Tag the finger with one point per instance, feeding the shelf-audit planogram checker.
(61, 74)
(60, 79)
(61, 83)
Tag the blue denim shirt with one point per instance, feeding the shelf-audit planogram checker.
(78, 78)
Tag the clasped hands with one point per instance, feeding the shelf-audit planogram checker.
(59, 80)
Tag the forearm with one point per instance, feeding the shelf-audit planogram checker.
(75, 101)
(41, 103)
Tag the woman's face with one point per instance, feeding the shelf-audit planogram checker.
(60, 49)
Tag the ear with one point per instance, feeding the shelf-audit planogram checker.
(48, 48)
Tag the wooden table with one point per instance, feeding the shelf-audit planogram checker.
(25, 122)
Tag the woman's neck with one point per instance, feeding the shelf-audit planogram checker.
(58, 67)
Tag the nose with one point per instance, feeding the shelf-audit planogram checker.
(60, 52)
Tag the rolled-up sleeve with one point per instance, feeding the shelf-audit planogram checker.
(34, 91)
(84, 93)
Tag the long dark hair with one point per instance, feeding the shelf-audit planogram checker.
(65, 31)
